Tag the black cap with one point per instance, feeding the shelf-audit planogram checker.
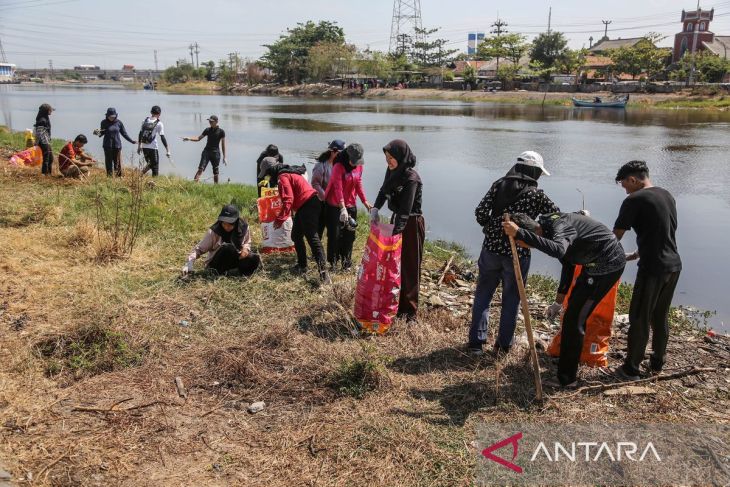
(229, 214)
(213, 118)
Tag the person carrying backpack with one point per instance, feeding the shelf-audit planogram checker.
(516, 192)
(152, 128)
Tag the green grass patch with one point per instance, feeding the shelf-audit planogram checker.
(88, 351)
(355, 377)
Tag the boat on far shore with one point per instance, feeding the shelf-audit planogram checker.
(598, 102)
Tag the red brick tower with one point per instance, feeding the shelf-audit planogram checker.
(695, 31)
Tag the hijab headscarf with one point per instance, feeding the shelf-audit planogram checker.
(400, 150)
(43, 117)
(518, 180)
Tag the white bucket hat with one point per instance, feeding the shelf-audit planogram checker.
(532, 158)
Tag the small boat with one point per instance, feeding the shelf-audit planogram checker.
(599, 103)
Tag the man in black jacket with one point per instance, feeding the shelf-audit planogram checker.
(574, 239)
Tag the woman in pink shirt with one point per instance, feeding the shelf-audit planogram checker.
(344, 186)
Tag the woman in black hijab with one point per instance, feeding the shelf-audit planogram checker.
(516, 192)
(43, 136)
(402, 188)
(270, 151)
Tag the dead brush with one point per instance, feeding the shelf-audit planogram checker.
(271, 364)
(119, 217)
(82, 235)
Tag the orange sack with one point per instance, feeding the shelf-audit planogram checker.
(598, 329)
(30, 157)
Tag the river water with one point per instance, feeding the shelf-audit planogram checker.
(461, 148)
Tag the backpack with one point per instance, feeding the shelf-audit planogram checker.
(148, 131)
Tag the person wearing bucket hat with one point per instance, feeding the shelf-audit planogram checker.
(228, 245)
(270, 151)
(345, 186)
(42, 128)
(321, 176)
(211, 153)
(112, 129)
(516, 192)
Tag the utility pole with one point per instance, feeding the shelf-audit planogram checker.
(230, 60)
(499, 26)
(192, 61)
(156, 68)
(550, 19)
(695, 36)
(197, 50)
(605, 30)
(590, 42)
(50, 67)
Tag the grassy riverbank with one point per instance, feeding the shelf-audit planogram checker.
(659, 100)
(93, 338)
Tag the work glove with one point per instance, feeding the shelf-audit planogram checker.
(374, 216)
(344, 216)
(187, 269)
(553, 311)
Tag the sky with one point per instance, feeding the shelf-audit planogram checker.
(112, 33)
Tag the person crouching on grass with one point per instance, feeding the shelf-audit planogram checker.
(73, 162)
(228, 245)
(574, 239)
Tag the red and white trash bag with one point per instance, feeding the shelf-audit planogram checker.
(274, 240)
(378, 280)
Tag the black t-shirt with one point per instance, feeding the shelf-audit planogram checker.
(652, 214)
(214, 137)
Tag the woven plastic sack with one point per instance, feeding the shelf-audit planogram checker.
(378, 280)
(598, 329)
(273, 239)
(30, 157)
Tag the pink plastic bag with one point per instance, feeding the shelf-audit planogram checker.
(378, 280)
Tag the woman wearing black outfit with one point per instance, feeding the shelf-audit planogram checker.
(43, 136)
(402, 188)
(111, 128)
(270, 151)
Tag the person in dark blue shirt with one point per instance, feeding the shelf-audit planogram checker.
(112, 129)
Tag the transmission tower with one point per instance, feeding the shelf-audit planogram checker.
(2, 53)
(406, 22)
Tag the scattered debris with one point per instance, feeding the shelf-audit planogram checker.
(256, 407)
(631, 391)
(180, 388)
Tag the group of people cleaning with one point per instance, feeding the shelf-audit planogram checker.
(328, 203)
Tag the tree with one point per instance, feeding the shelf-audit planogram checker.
(573, 62)
(470, 75)
(428, 53)
(708, 67)
(511, 47)
(375, 63)
(548, 49)
(642, 57)
(328, 59)
(288, 56)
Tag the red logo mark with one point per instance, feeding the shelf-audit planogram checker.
(487, 452)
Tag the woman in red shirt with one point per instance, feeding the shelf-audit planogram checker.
(344, 186)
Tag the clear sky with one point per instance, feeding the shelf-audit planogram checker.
(110, 33)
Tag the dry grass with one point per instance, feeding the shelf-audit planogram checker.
(341, 410)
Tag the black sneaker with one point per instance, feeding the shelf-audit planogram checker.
(325, 278)
(475, 350)
(298, 270)
(625, 376)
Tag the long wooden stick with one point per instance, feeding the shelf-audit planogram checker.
(526, 315)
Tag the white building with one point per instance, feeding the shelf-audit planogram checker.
(7, 73)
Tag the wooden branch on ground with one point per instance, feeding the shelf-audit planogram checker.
(84, 409)
(657, 378)
(446, 269)
(180, 388)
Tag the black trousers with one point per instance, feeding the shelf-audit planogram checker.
(587, 293)
(414, 234)
(113, 161)
(339, 239)
(306, 225)
(210, 155)
(47, 167)
(227, 259)
(649, 310)
(322, 220)
(152, 158)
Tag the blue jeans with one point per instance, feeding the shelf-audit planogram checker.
(493, 269)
